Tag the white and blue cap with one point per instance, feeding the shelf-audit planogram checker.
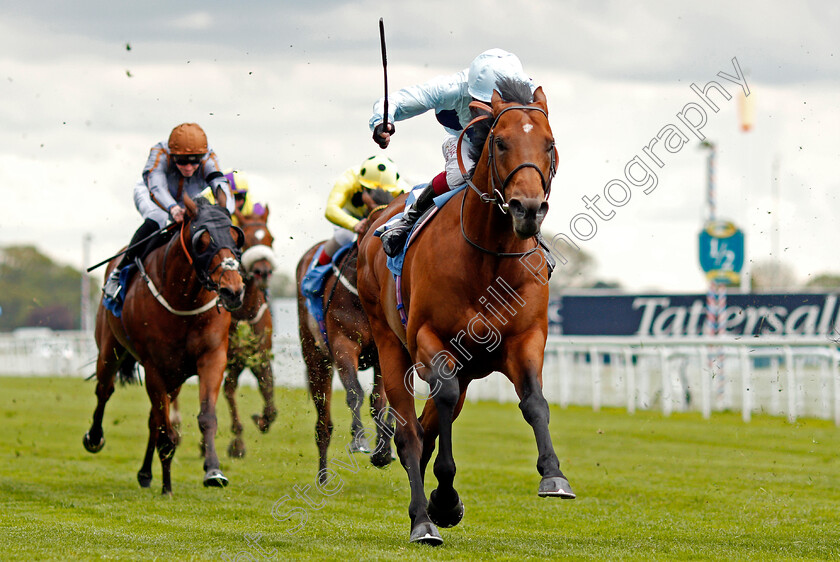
(488, 67)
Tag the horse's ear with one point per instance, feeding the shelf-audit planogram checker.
(189, 205)
(539, 99)
(479, 108)
(238, 236)
(496, 101)
(221, 198)
(265, 215)
(238, 214)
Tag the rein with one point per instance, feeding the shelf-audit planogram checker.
(339, 277)
(485, 250)
(498, 196)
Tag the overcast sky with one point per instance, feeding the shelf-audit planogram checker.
(284, 91)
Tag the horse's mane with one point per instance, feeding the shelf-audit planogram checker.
(511, 90)
(380, 196)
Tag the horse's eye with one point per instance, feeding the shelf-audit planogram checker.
(500, 144)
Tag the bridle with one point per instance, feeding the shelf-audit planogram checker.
(498, 196)
(199, 264)
(220, 239)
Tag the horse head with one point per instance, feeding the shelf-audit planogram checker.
(213, 247)
(375, 201)
(258, 259)
(519, 158)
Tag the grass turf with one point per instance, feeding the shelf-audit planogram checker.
(648, 487)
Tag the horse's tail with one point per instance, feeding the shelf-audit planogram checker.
(128, 372)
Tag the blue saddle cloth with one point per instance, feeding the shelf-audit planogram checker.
(312, 285)
(395, 264)
(115, 305)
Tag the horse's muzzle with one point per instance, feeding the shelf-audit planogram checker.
(262, 272)
(231, 299)
(528, 214)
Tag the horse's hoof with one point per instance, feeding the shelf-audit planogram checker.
(444, 517)
(359, 444)
(145, 479)
(426, 533)
(93, 447)
(555, 487)
(215, 478)
(382, 459)
(236, 449)
(166, 494)
(261, 422)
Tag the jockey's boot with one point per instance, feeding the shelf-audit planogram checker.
(112, 287)
(393, 239)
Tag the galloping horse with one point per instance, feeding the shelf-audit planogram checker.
(172, 323)
(454, 333)
(350, 348)
(258, 263)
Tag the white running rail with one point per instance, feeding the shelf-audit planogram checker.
(792, 377)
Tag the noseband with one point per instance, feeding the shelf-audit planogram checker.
(498, 193)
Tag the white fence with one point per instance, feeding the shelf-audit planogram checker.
(792, 377)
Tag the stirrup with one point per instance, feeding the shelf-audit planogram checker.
(112, 286)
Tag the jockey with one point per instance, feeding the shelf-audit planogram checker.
(183, 164)
(345, 208)
(450, 97)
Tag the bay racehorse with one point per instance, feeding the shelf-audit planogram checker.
(349, 349)
(251, 329)
(174, 322)
(475, 287)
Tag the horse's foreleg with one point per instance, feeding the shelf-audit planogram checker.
(346, 354)
(526, 374)
(445, 506)
(175, 418)
(408, 436)
(144, 476)
(384, 419)
(319, 377)
(265, 378)
(211, 369)
(236, 448)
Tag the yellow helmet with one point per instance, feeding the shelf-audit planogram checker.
(237, 179)
(378, 172)
(187, 139)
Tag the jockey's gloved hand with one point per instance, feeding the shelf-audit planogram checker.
(382, 134)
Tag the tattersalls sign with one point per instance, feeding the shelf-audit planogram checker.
(804, 314)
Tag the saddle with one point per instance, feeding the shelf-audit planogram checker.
(395, 264)
(312, 285)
